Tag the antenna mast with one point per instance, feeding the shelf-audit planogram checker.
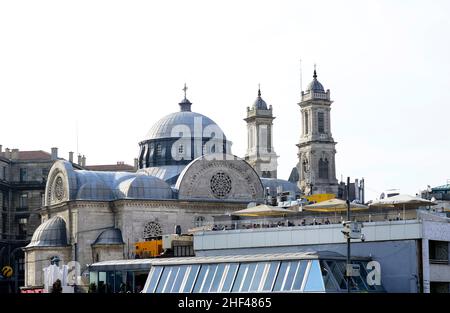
(76, 130)
(301, 85)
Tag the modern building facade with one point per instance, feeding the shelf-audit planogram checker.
(413, 253)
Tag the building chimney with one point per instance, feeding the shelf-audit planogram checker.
(54, 153)
(1, 148)
(79, 160)
(136, 164)
(83, 161)
(7, 153)
(14, 154)
(71, 157)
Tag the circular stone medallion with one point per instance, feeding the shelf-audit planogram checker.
(220, 185)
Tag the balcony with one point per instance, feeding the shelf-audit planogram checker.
(28, 184)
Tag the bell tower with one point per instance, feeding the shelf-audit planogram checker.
(316, 148)
(260, 153)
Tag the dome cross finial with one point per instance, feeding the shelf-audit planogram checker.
(185, 104)
(315, 72)
(185, 89)
(259, 90)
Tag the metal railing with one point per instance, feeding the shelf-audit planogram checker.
(310, 220)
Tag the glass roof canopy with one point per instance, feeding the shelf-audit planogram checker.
(260, 275)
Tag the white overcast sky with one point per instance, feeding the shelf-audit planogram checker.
(116, 67)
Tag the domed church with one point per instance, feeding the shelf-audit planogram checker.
(187, 174)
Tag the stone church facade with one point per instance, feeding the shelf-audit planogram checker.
(186, 175)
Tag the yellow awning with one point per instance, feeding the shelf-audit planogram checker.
(334, 205)
(263, 210)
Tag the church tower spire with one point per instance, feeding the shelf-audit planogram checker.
(260, 152)
(316, 149)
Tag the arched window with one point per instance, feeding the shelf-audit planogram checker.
(199, 221)
(180, 149)
(321, 122)
(323, 168)
(306, 123)
(158, 149)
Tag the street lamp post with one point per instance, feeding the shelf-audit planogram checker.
(348, 237)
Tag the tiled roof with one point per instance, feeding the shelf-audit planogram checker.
(111, 168)
(31, 155)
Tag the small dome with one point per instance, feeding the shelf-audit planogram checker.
(260, 104)
(315, 85)
(111, 236)
(51, 233)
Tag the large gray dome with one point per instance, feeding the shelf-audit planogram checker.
(178, 138)
(163, 128)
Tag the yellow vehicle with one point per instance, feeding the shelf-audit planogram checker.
(148, 249)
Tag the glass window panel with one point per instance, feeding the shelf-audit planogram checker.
(110, 281)
(315, 280)
(363, 273)
(102, 277)
(232, 268)
(240, 275)
(270, 276)
(200, 278)
(163, 279)
(119, 286)
(280, 276)
(290, 275)
(258, 276)
(209, 277)
(93, 277)
(191, 278)
(328, 280)
(299, 276)
(171, 278)
(359, 283)
(338, 274)
(217, 278)
(248, 278)
(154, 276)
(101, 288)
(179, 278)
